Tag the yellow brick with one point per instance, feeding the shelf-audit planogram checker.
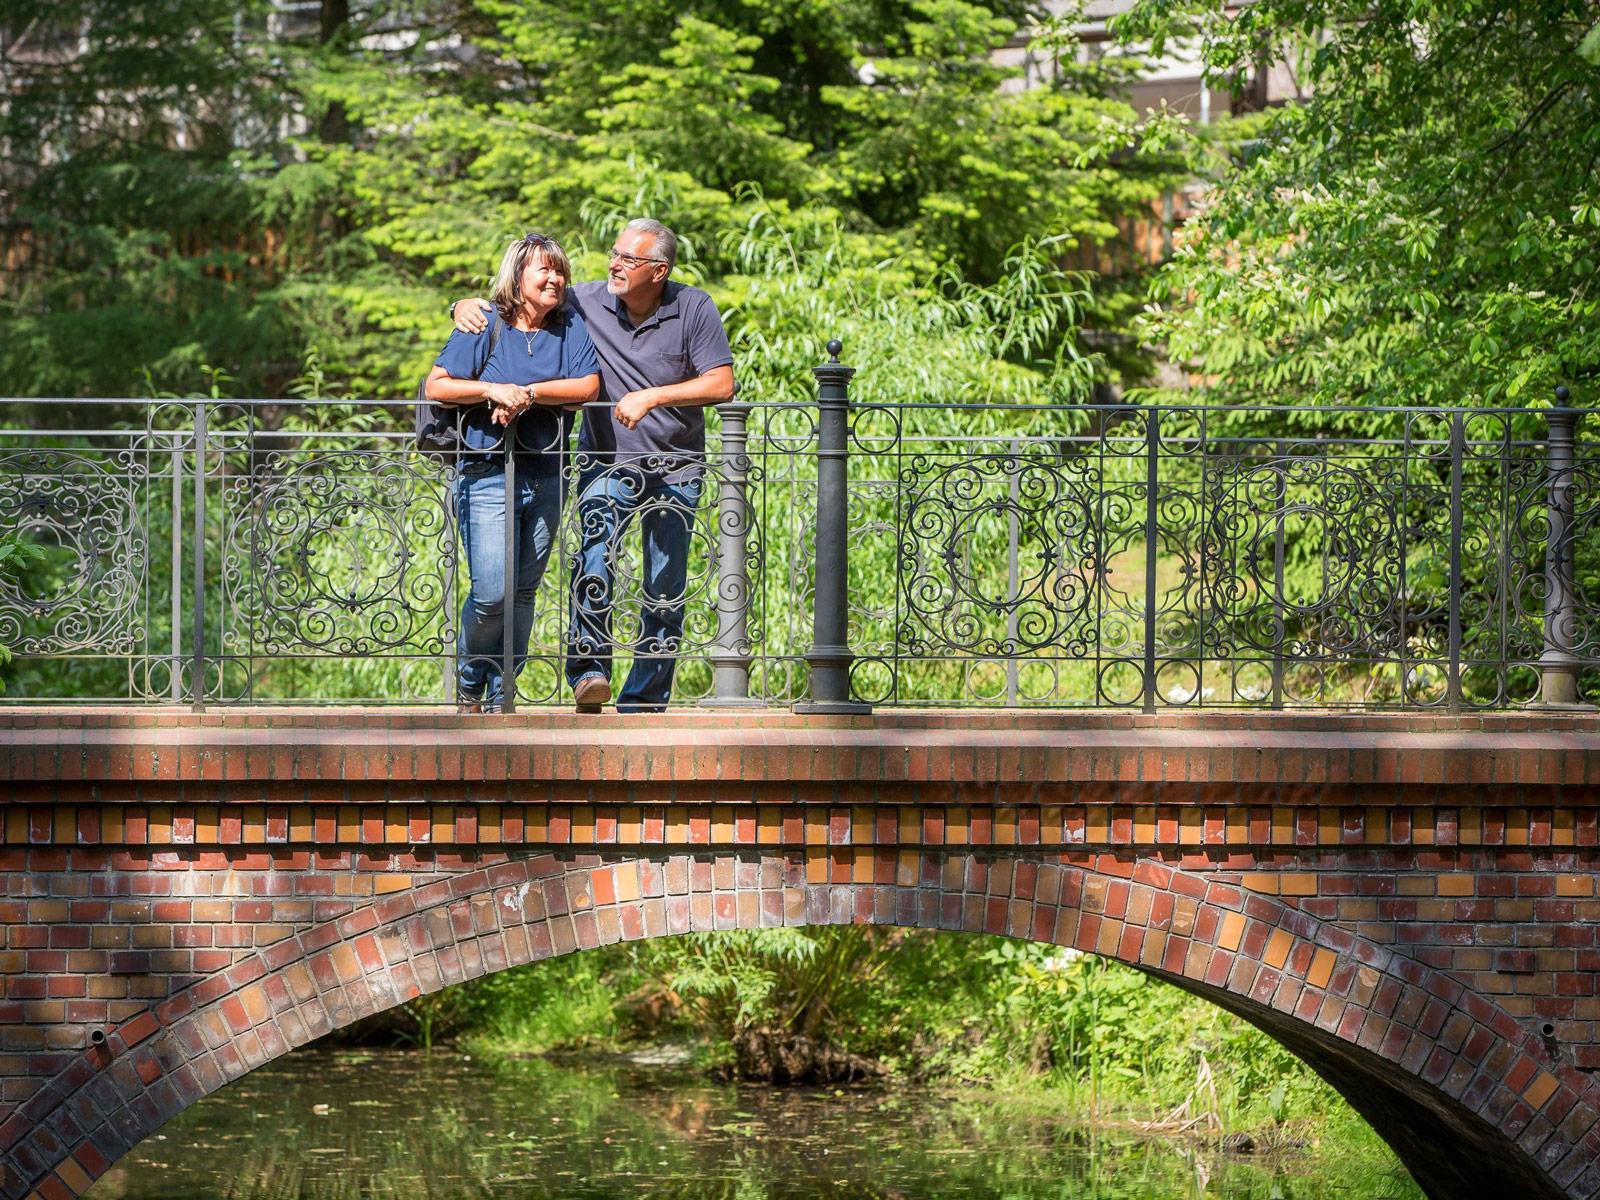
(1191, 825)
(1562, 828)
(1297, 884)
(1330, 828)
(1415, 885)
(206, 824)
(1238, 827)
(1267, 885)
(955, 826)
(1455, 885)
(17, 826)
(630, 825)
(395, 830)
(1517, 827)
(300, 823)
(816, 866)
(1278, 947)
(909, 826)
(1423, 832)
(862, 867)
(1052, 825)
(74, 1176)
(1574, 885)
(1540, 1090)
(1470, 830)
(443, 828)
(349, 823)
(583, 826)
(111, 827)
(1283, 826)
(385, 883)
(1005, 826)
(66, 826)
(1097, 826)
(1144, 826)
(159, 828)
(1232, 932)
(908, 868)
(1377, 826)
(491, 827)
(627, 882)
(1321, 968)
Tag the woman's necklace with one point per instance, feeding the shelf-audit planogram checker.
(527, 334)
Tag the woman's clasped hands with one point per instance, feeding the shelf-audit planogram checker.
(507, 400)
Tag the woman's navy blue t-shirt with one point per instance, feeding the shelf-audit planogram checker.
(560, 350)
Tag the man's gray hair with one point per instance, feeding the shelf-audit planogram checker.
(665, 241)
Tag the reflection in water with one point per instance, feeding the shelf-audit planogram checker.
(382, 1125)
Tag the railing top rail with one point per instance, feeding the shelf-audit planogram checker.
(928, 405)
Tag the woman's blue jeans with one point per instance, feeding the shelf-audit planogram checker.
(481, 516)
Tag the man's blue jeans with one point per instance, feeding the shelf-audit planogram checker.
(481, 516)
(607, 501)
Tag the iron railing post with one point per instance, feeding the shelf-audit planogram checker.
(175, 600)
(1558, 665)
(730, 652)
(1013, 573)
(1279, 609)
(1152, 513)
(508, 610)
(1458, 440)
(829, 657)
(198, 613)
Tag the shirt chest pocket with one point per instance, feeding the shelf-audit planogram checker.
(672, 365)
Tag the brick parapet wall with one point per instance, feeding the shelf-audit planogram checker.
(266, 746)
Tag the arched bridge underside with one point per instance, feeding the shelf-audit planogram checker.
(1412, 910)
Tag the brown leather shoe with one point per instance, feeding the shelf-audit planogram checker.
(591, 692)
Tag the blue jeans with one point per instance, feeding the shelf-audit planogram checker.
(481, 515)
(607, 502)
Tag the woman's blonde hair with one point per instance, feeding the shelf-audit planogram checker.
(506, 294)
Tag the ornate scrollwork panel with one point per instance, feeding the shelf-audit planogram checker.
(82, 508)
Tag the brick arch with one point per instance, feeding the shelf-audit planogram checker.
(1470, 1100)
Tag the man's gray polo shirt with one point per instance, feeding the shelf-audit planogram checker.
(681, 340)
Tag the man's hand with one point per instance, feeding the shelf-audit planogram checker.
(631, 409)
(471, 316)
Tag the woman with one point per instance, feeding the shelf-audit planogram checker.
(542, 361)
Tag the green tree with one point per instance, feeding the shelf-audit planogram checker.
(1421, 230)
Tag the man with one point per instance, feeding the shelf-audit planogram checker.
(664, 356)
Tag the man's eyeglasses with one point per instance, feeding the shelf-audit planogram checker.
(632, 261)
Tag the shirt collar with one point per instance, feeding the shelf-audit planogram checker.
(667, 308)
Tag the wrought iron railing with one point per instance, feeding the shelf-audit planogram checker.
(842, 556)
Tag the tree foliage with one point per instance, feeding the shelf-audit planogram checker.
(271, 191)
(1421, 230)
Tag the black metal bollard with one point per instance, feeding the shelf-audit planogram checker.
(1558, 665)
(730, 653)
(829, 656)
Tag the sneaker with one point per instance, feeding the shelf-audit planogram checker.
(591, 692)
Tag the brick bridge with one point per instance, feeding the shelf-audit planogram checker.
(1409, 903)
